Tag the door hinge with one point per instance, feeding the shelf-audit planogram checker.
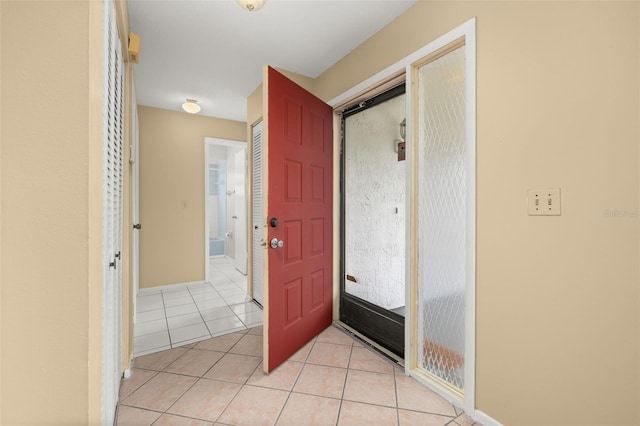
(137, 226)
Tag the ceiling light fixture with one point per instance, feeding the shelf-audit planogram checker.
(191, 106)
(251, 5)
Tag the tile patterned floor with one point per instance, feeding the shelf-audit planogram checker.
(198, 362)
(173, 316)
(333, 380)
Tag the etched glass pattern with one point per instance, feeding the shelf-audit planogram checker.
(441, 218)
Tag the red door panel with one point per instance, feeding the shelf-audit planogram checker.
(300, 184)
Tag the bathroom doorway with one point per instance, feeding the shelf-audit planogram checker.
(372, 294)
(226, 202)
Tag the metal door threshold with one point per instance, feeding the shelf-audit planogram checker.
(370, 343)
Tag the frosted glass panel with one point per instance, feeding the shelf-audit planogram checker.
(374, 205)
(217, 209)
(441, 217)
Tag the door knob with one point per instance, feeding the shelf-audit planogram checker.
(276, 243)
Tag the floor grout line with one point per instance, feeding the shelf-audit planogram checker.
(289, 391)
(228, 280)
(246, 331)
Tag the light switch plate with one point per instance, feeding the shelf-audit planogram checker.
(543, 202)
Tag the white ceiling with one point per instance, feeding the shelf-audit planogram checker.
(213, 50)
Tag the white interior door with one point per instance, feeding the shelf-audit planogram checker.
(257, 227)
(240, 199)
(113, 122)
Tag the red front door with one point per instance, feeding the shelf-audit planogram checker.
(299, 220)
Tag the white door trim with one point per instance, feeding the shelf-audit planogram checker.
(255, 282)
(207, 143)
(134, 159)
(466, 31)
(240, 229)
(469, 30)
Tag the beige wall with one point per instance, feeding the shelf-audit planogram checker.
(254, 101)
(557, 106)
(172, 192)
(1, 209)
(558, 315)
(50, 248)
(254, 108)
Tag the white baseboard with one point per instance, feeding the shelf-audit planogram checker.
(169, 287)
(485, 419)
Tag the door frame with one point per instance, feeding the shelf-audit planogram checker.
(240, 229)
(134, 160)
(373, 321)
(403, 69)
(208, 141)
(256, 231)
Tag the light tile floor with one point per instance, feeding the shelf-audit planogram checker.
(173, 316)
(333, 380)
(198, 361)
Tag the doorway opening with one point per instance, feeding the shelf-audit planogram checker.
(225, 203)
(452, 160)
(373, 181)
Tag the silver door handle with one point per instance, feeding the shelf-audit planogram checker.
(276, 243)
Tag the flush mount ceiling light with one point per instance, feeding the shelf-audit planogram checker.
(251, 5)
(191, 106)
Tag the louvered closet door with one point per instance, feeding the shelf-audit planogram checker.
(112, 214)
(258, 219)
